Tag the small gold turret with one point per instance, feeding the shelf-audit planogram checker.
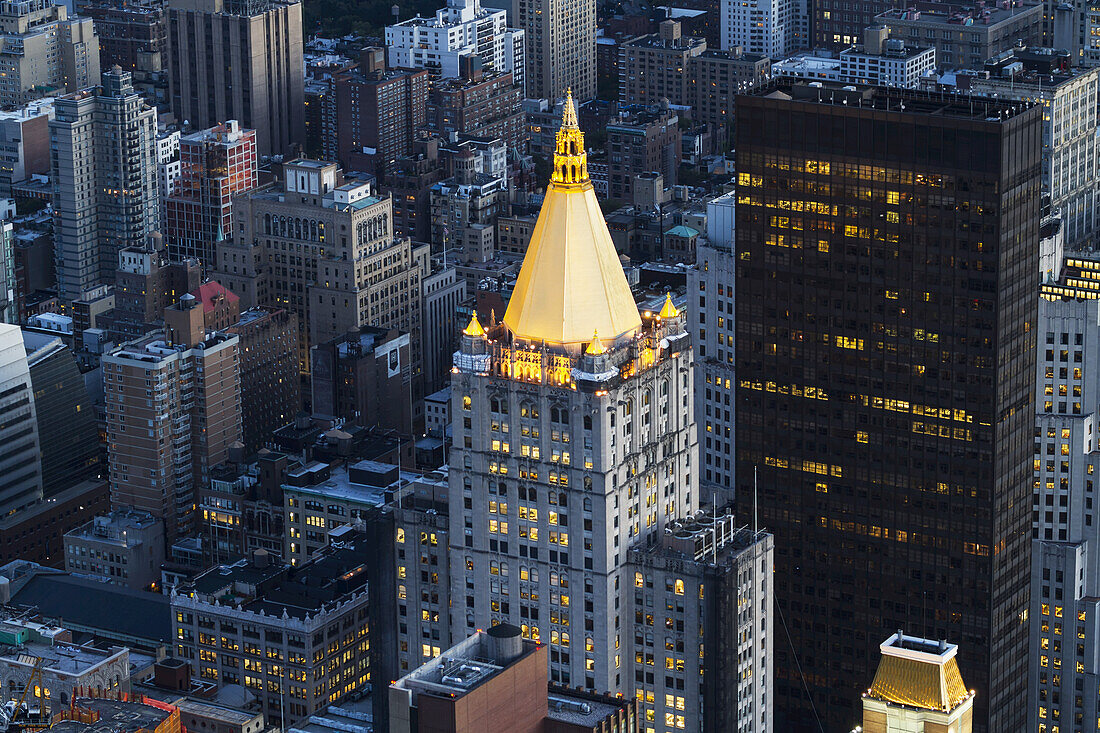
(474, 327)
(668, 310)
(596, 347)
(570, 156)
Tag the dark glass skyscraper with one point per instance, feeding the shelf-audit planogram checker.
(887, 246)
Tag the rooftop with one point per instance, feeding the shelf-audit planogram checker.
(919, 673)
(980, 14)
(122, 527)
(258, 585)
(910, 101)
(113, 716)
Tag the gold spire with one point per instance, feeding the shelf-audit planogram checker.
(668, 310)
(474, 328)
(596, 347)
(571, 283)
(570, 157)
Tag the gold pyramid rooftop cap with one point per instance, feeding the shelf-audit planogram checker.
(668, 310)
(571, 284)
(919, 673)
(474, 327)
(596, 347)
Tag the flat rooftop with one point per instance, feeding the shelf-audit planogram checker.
(115, 716)
(911, 101)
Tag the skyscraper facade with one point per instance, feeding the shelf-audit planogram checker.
(216, 165)
(45, 51)
(885, 318)
(173, 403)
(561, 47)
(21, 482)
(104, 173)
(575, 465)
(239, 60)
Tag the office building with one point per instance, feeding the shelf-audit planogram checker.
(350, 270)
(173, 410)
(136, 38)
(964, 36)
(364, 377)
(496, 678)
(896, 489)
(488, 106)
(215, 165)
(642, 140)
(239, 60)
(377, 113)
(712, 325)
(459, 31)
(408, 184)
(441, 293)
(296, 638)
(271, 386)
(765, 27)
(465, 207)
(656, 66)
(145, 284)
(1069, 124)
(918, 687)
(45, 51)
(36, 533)
(25, 150)
(104, 174)
(560, 47)
(552, 411)
(124, 547)
(242, 507)
(65, 412)
(1063, 610)
(696, 664)
(878, 61)
(21, 484)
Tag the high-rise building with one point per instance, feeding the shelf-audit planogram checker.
(480, 105)
(364, 377)
(324, 249)
(918, 688)
(271, 387)
(377, 113)
(441, 291)
(215, 165)
(459, 31)
(408, 184)
(173, 410)
(1064, 607)
(465, 207)
(574, 455)
(884, 362)
(104, 168)
(989, 29)
(656, 66)
(560, 50)
(766, 27)
(20, 442)
(643, 140)
(1069, 125)
(134, 36)
(45, 51)
(239, 60)
(65, 413)
(26, 151)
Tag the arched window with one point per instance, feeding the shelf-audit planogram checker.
(587, 422)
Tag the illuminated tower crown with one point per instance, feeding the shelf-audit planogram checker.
(571, 284)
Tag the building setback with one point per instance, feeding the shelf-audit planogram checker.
(884, 364)
(45, 51)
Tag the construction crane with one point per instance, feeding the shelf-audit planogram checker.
(15, 717)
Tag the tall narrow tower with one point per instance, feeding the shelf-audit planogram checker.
(574, 441)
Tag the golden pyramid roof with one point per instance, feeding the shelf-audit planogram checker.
(474, 327)
(571, 284)
(918, 681)
(596, 347)
(668, 310)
